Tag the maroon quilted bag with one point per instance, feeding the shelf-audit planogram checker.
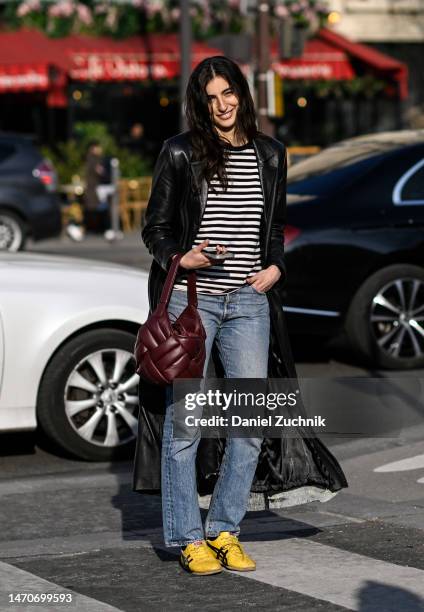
(166, 350)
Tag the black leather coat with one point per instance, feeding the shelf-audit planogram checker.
(176, 204)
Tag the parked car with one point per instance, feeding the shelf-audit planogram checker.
(67, 335)
(355, 246)
(29, 203)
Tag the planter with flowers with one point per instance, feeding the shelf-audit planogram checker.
(307, 15)
(123, 19)
(30, 14)
(56, 19)
(294, 22)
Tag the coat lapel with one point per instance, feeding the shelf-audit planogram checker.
(267, 168)
(200, 184)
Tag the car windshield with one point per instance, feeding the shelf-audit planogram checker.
(344, 154)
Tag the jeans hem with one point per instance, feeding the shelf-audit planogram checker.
(173, 543)
(211, 536)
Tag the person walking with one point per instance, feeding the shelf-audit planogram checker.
(97, 217)
(222, 184)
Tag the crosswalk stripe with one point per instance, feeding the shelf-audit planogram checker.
(410, 463)
(347, 579)
(15, 580)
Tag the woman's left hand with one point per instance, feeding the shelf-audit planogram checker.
(265, 279)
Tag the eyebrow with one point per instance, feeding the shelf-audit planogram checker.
(223, 91)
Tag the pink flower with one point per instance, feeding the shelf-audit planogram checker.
(154, 7)
(68, 8)
(54, 10)
(175, 14)
(112, 17)
(100, 9)
(63, 8)
(84, 14)
(295, 7)
(23, 10)
(281, 11)
(30, 6)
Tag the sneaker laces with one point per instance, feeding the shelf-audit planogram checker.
(229, 541)
(201, 550)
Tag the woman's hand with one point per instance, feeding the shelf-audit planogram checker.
(264, 279)
(196, 259)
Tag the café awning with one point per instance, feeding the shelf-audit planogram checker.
(31, 61)
(87, 58)
(319, 60)
(382, 64)
(134, 59)
(330, 56)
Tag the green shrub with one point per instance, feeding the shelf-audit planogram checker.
(68, 157)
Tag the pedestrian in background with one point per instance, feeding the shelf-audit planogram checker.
(96, 209)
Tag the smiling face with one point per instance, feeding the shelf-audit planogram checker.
(223, 104)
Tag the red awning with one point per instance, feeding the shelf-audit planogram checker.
(379, 62)
(320, 60)
(24, 77)
(329, 56)
(30, 61)
(25, 63)
(88, 58)
(132, 59)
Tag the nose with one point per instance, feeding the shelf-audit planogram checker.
(222, 106)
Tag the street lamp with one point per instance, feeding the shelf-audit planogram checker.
(291, 38)
(263, 63)
(185, 57)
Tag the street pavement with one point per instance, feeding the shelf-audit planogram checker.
(77, 529)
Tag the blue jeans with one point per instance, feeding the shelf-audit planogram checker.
(239, 324)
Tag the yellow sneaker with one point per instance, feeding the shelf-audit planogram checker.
(230, 553)
(198, 559)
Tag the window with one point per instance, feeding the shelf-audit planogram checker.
(409, 190)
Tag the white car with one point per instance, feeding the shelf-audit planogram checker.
(67, 335)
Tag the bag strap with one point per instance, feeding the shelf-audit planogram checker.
(170, 280)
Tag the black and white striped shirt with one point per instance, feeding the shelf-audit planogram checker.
(232, 218)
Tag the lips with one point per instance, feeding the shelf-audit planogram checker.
(226, 115)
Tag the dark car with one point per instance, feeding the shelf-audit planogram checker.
(355, 246)
(29, 204)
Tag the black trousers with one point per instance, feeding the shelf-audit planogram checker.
(97, 221)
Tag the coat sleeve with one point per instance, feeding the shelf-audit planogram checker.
(157, 233)
(276, 248)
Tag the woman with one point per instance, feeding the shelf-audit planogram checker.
(222, 184)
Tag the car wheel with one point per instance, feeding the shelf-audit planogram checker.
(12, 232)
(385, 321)
(88, 397)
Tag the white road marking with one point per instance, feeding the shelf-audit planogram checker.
(15, 580)
(343, 578)
(403, 465)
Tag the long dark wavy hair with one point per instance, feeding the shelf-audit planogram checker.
(207, 144)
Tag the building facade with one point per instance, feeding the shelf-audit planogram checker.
(395, 27)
